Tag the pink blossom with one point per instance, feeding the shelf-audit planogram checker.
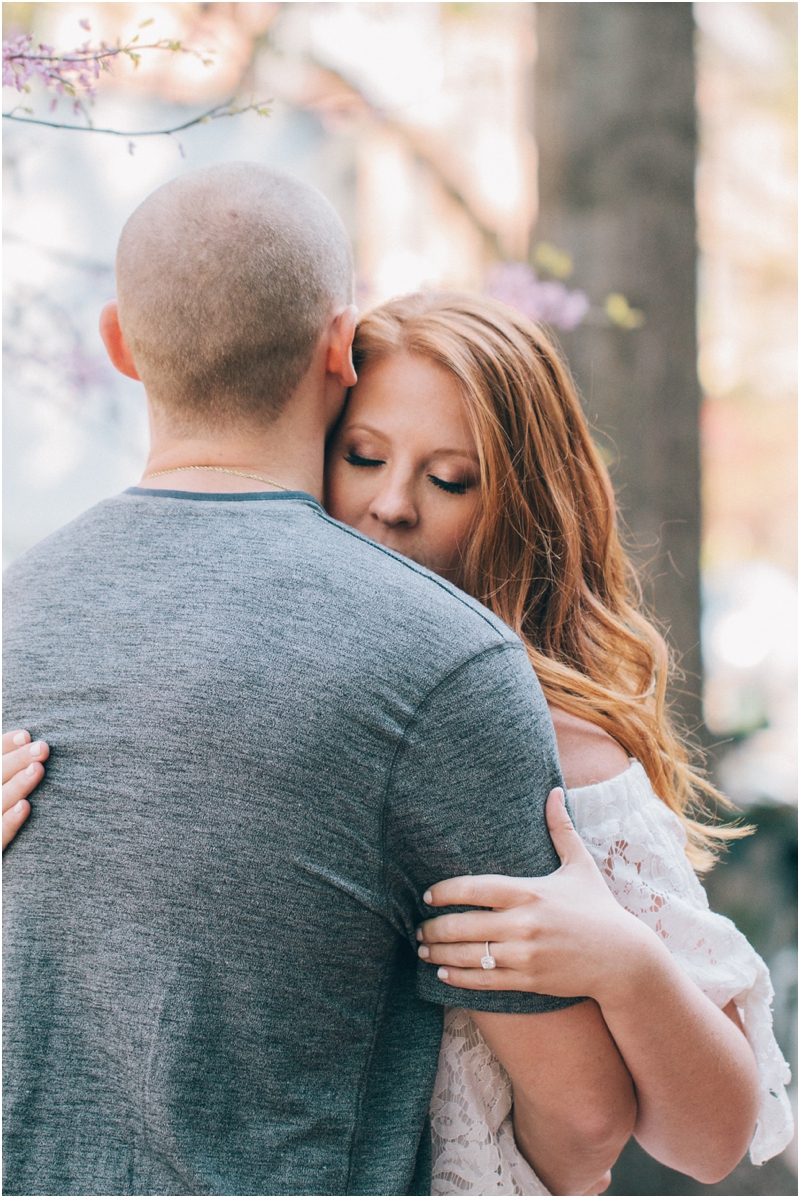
(545, 302)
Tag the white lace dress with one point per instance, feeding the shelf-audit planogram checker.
(638, 843)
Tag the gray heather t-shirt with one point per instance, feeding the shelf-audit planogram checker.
(269, 736)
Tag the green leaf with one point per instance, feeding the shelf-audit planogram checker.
(620, 313)
(554, 261)
(149, 21)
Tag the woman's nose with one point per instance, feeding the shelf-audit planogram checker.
(394, 504)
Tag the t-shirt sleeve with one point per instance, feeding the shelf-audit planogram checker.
(467, 796)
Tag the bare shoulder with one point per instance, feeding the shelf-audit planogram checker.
(587, 753)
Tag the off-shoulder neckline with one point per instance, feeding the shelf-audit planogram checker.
(623, 776)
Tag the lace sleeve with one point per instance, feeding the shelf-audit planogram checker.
(474, 1151)
(638, 844)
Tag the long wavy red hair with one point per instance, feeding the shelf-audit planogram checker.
(546, 554)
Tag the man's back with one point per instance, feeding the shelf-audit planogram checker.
(269, 736)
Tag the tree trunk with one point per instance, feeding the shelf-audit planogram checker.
(616, 132)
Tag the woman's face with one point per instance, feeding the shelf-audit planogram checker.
(403, 467)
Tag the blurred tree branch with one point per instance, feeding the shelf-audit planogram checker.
(76, 73)
(228, 108)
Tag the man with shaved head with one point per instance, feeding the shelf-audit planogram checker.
(269, 736)
(226, 278)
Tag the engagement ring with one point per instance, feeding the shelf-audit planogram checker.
(488, 962)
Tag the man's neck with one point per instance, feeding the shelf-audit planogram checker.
(277, 458)
(286, 454)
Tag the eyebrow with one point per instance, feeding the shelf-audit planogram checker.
(459, 453)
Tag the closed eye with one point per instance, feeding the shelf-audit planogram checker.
(356, 460)
(451, 488)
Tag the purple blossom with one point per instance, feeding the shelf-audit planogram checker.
(545, 302)
(69, 73)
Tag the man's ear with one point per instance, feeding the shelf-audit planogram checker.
(339, 362)
(115, 343)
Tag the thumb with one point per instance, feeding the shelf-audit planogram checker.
(568, 843)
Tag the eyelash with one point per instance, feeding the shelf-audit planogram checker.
(451, 488)
(355, 460)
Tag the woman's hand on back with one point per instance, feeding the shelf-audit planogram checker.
(22, 772)
(563, 934)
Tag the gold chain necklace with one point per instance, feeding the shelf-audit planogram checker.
(219, 470)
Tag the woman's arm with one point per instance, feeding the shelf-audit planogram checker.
(698, 1091)
(694, 1072)
(22, 773)
(574, 1105)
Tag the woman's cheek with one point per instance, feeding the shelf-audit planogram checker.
(343, 491)
(466, 517)
(462, 529)
(448, 529)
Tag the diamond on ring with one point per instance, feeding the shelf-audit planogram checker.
(488, 961)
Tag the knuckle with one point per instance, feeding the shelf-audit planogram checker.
(476, 892)
(13, 790)
(522, 960)
(454, 927)
(14, 762)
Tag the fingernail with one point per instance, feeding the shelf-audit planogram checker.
(35, 748)
(427, 897)
(20, 738)
(31, 770)
(418, 933)
(424, 951)
(443, 974)
(18, 807)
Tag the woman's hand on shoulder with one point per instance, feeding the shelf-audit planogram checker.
(563, 934)
(22, 772)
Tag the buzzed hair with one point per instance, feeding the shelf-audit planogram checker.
(226, 277)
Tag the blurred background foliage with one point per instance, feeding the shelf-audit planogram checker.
(623, 171)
